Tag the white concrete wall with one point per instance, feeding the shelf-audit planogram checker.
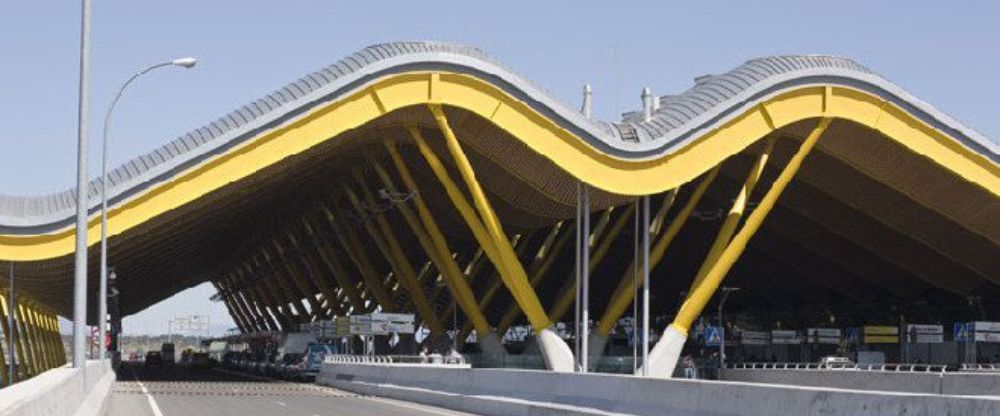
(60, 392)
(513, 392)
(974, 384)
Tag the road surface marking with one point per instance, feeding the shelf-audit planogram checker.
(149, 397)
(281, 403)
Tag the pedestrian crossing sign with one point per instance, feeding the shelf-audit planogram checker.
(713, 336)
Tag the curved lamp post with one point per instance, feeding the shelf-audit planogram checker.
(102, 311)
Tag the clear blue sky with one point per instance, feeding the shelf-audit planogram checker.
(945, 54)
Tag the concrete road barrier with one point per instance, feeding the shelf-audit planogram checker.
(60, 392)
(524, 392)
(947, 383)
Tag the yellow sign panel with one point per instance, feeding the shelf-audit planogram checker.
(881, 330)
(881, 339)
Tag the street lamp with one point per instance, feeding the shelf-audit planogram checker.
(726, 290)
(102, 311)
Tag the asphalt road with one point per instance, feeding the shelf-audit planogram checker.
(180, 391)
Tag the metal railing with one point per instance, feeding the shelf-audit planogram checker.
(433, 359)
(359, 359)
(896, 368)
(982, 368)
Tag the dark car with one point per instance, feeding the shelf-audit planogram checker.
(201, 361)
(154, 358)
(167, 355)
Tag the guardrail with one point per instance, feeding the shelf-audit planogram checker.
(435, 359)
(359, 359)
(897, 368)
(983, 368)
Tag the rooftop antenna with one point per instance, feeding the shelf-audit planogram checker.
(647, 105)
(588, 102)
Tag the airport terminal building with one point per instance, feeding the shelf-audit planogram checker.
(833, 211)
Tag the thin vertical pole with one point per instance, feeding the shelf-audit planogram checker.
(585, 279)
(645, 285)
(635, 288)
(10, 329)
(80, 273)
(576, 314)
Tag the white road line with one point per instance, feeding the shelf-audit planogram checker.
(281, 403)
(416, 407)
(411, 406)
(149, 397)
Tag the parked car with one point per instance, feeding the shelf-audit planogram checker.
(200, 361)
(312, 360)
(154, 358)
(288, 367)
(167, 352)
(835, 362)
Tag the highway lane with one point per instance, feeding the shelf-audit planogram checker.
(181, 391)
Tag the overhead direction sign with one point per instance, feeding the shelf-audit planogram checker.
(755, 338)
(924, 334)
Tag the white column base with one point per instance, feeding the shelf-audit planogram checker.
(665, 354)
(491, 346)
(595, 350)
(557, 355)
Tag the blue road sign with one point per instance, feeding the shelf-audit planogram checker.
(713, 336)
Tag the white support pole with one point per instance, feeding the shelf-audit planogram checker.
(635, 289)
(80, 271)
(577, 270)
(585, 279)
(645, 285)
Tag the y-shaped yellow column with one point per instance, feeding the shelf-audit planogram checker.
(663, 358)
(432, 239)
(555, 352)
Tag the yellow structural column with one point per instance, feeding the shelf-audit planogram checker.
(520, 245)
(252, 318)
(281, 267)
(663, 357)
(334, 266)
(432, 239)
(735, 213)
(544, 260)
(244, 324)
(47, 338)
(568, 292)
(35, 330)
(555, 352)
(269, 293)
(4, 348)
(253, 298)
(17, 359)
(385, 240)
(60, 349)
(355, 252)
(294, 300)
(621, 298)
(30, 363)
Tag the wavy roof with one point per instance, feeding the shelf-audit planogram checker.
(713, 100)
